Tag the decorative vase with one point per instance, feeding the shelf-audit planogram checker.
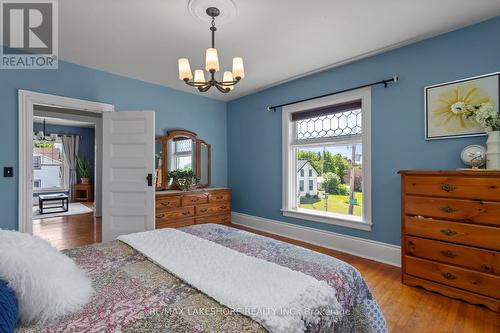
(493, 151)
(85, 180)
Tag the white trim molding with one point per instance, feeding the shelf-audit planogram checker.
(26, 101)
(289, 145)
(365, 248)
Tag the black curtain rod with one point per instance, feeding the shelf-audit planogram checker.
(384, 82)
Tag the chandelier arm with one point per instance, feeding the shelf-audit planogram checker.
(205, 88)
(221, 89)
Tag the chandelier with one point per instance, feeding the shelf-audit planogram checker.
(212, 66)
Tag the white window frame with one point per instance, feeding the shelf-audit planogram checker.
(289, 198)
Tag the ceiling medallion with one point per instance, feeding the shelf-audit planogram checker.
(212, 66)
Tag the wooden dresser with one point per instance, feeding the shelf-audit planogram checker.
(175, 209)
(451, 233)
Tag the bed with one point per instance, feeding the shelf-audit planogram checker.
(135, 295)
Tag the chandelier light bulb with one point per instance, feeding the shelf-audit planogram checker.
(212, 60)
(199, 77)
(228, 77)
(238, 69)
(184, 70)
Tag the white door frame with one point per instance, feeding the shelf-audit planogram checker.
(26, 100)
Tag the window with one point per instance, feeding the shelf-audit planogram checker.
(332, 136)
(183, 150)
(301, 172)
(301, 186)
(49, 169)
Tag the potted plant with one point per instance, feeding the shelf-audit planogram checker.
(183, 179)
(84, 168)
(489, 119)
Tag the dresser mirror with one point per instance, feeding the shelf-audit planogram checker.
(182, 150)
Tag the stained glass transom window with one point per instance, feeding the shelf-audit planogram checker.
(333, 125)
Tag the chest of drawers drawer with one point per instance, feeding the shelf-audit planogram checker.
(454, 232)
(167, 202)
(482, 260)
(482, 212)
(175, 213)
(474, 188)
(210, 209)
(481, 283)
(221, 218)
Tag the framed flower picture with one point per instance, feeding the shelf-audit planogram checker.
(446, 105)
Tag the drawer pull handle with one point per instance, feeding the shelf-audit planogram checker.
(448, 187)
(448, 254)
(449, 276)
(448, 209)
(220, 197)
(204, 210)
(168, 203)
(185, 213)
(448, 232)
(223, 207)
(160, 216)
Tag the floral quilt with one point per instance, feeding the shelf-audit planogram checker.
(135, 295)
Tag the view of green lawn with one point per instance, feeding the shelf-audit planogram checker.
(337, 204)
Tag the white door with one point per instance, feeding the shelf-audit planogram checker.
(128, 191)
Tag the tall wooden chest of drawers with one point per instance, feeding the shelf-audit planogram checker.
(175, 209)
(451, 233)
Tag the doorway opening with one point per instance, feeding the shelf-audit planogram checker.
(60, 168)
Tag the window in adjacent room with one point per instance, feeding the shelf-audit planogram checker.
(49, 168)
(332, 136)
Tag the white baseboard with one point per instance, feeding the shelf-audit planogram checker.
(378, 251)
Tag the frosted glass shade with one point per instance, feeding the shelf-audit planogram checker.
(199, 76)
(228, 77)
(212, 60)
(238, 70)
(184, 69)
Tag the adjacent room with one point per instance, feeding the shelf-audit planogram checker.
(250, 166)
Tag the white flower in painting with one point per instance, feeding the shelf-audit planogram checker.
(458, 108)
(487, 117)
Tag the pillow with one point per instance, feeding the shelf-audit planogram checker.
(9, 309)
(47, 283)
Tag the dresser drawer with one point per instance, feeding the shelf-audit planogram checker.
(216, 208)
(176, 213)
(222, 218)
(486, 261)
(166, 202)
(165, 223)
(219, 196)
(194, 199)
(476, 188)
(463, 233)
(483, 212)
(485, 284)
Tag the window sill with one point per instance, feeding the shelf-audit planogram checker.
(343, 221)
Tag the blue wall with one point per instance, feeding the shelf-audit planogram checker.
(254, 135)
(87, 141)
(174, 110)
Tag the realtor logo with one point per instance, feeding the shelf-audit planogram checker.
(29, 34)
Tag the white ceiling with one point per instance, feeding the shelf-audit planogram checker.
(278, 40)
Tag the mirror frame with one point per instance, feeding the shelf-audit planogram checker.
(197, 144)
(162, 139)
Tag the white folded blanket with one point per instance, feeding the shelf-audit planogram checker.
(280, 299)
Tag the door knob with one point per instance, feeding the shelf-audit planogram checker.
(149, 178)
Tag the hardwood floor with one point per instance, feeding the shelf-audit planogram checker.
(65, 232)
(406, 309)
